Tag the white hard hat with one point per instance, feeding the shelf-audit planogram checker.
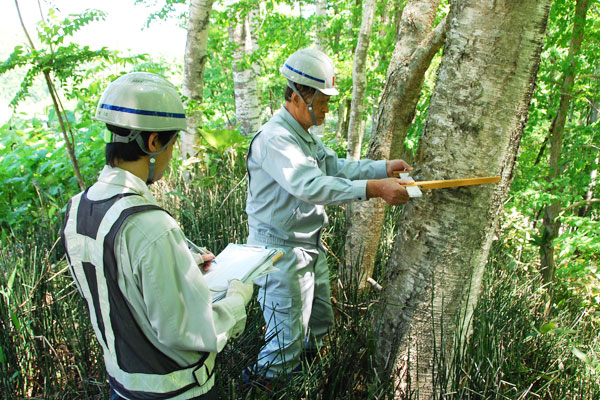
(142, 101)
(311, 67)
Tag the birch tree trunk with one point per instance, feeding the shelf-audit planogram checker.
(474, 126)
(359, 81)
(321, 13)
(193, 70)
(247, 106)
(551, 223)
(320, 44)
(412, 56)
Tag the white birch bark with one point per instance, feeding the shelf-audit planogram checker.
(412, 56)
(321, 14)
(474, 126)
(193, 71)
(319, 43)
(247, 105)
(359, 81)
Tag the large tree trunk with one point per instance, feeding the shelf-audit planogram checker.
(474, 126)
(412, 56)
(359, 82)
(551, 223)
(247, 106)
(193, 70)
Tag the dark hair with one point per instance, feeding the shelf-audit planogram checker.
(130, 151)
(306, 92)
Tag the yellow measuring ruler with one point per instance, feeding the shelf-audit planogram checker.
(448, 183)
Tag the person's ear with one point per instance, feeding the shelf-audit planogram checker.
(153, 142)
(296, 99)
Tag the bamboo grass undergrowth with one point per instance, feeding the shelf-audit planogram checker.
(48, 349)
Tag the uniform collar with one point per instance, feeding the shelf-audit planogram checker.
(296, 127)
(120, 177)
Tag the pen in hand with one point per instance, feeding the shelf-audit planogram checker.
(201, 255)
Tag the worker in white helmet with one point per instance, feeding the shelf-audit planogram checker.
(149, 305)
(292, 175)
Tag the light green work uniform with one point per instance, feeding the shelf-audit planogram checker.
(292, 175)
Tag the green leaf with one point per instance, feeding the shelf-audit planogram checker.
(15, 321)
(9, 284)
(221, 139)
(581, 355)
(547, 327)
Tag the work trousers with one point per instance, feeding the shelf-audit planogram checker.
(296, 306)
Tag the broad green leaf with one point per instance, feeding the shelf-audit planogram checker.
(547, 327)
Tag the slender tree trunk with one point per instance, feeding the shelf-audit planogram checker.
(343, 118)
(193, 70)
(247, 106)
(382, 54)
(320, 43)
(341, 111)
(589, 194)
(321, 13)
(412, 56)
(474, 126)
(384, 27)
(551, 224)
(359, 81)
(56, 103)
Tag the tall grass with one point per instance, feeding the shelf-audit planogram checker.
(517, 350)
(48, 349)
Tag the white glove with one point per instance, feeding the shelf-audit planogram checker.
(239, 288)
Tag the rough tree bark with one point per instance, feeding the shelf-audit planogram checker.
(247, 106)
(412, 56)
(551, 224)
(474, 126)
(359, 82)
(193, 70)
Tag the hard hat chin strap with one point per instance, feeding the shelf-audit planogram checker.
(135, 135)
(152, 159)
(309, 105)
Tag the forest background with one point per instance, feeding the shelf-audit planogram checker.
(532, 334)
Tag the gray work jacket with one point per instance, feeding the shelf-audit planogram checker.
(292, 175)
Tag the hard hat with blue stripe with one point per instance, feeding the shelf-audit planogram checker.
(311, 67)
(142, 101)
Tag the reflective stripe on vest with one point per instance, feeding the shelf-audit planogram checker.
(136, 368)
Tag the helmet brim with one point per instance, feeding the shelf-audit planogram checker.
(330, 91)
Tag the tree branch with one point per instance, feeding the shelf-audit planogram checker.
(578, 204)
